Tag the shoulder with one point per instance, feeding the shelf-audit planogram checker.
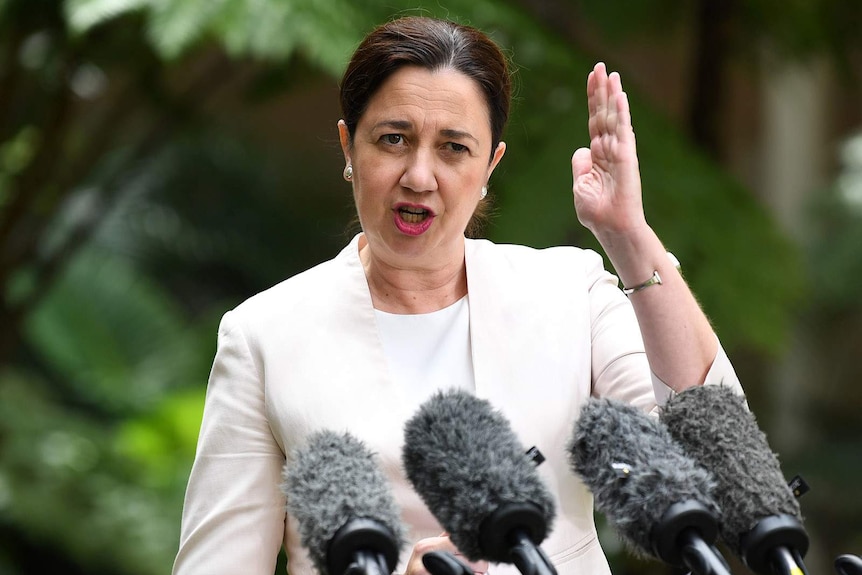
(556, 261)
(301, 294)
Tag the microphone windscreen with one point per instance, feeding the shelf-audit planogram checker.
(634, 469)
(333, 479)
(465, 461)
(716, 428)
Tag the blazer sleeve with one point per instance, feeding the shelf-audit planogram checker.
(233, 516)
(620, 367)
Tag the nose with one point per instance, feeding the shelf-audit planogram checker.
(419, 173)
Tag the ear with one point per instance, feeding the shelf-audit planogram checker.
(344, 137)
(498, 155)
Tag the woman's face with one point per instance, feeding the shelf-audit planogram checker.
(420, 157)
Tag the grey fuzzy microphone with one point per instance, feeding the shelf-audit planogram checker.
(348, 519)
(467, 464)
(656, 498)
(761, 519)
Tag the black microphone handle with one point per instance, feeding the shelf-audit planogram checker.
(367, 563)
(529, 557)
(362, 546)
(699, 556)
(444, 563)
(775, 545)
(848, 565)
(785, 562)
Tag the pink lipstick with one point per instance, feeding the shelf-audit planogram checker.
(413, 219)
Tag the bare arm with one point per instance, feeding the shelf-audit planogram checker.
(679, 341)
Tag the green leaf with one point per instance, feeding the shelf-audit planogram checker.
(17, 153)
(174, 27)
(81, 15)
(163, 441)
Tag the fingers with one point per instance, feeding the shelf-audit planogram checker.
(592, 82)
(478, 567)
(597, 100)
(619, 99)
(607, 103)
(441, 543)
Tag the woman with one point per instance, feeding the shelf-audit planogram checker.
(411, 306)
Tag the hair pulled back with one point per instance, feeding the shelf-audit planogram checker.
(431, 44)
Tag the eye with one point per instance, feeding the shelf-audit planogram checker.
(458, 148)
(393, 139)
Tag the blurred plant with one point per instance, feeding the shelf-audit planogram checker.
(66, 486)
(322, 31)
(833, 317)
(720, 34)
(78, 466)
(837, 234)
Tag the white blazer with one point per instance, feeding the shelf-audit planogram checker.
(548, 329)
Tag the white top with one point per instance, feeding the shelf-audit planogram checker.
(429, 351)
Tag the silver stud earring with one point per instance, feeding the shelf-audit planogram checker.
(348, 172)
(484, 192)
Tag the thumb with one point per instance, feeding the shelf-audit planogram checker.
(582, 162)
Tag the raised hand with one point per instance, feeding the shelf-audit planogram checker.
(607, 186)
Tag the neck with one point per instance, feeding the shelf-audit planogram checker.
(413, 290)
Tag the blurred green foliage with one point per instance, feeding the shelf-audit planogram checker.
(323, 31)
(136, 206)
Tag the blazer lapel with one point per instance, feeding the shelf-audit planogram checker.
(493, 344)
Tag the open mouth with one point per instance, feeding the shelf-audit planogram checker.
(413, 215)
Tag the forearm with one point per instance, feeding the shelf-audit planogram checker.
(678, 338)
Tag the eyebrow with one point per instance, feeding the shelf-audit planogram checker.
(397, 124)
(458, 135)
(405, 125)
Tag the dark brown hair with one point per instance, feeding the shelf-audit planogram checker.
(434, 45)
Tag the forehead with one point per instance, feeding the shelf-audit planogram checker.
(418, 95)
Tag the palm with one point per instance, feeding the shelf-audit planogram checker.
(607, 190)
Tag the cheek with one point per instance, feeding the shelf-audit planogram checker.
(377, 173)
(466, 185)
(369, 196)
(462, 200)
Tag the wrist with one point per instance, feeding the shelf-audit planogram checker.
(631, 232)
(636, 255)
(655, 280)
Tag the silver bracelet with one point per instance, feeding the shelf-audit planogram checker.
(654, 280)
